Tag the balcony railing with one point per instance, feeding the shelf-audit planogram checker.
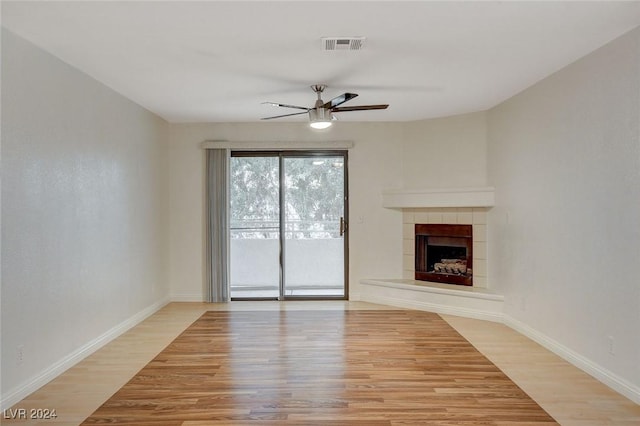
(313, 257)
(293, 229)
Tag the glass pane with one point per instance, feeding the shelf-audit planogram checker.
(314, 204)
(255, 230)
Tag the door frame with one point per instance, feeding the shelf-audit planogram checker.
(303, 153)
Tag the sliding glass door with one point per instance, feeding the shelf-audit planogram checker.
(288, 225)
(254, 211)
(313, 213)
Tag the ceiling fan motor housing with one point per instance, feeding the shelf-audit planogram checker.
(320, 114)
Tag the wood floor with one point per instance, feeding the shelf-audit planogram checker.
(321, 367)
(567, 394)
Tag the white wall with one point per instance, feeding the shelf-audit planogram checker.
(445, 152)
(374, 164)
(564, 236)
(84, 213)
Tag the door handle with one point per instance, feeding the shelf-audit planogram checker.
(343, 226)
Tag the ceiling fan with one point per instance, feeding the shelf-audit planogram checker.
(321, 114)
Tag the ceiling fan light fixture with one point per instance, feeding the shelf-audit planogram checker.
(320, 124)
(320, 118)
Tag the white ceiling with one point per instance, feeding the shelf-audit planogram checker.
(218, 61)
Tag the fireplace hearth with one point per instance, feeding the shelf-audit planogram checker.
(443, 253)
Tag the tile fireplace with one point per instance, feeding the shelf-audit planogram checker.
(472, 216)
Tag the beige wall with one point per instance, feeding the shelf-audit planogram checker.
(445, 152)
(84, 214)
(564, 236)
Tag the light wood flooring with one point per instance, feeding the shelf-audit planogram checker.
(569, 395)
(329, 368)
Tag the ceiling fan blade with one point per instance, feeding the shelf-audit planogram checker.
(360, 108)
(285, 105)
(338, 100)
(285, 115)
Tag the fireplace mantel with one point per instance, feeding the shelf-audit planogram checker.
(438, 197)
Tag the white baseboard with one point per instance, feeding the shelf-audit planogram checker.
(18, 393)
(605, 376)
(354, 296)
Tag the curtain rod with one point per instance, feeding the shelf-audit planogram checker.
(267, 145)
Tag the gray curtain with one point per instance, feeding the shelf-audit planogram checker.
(217, 232)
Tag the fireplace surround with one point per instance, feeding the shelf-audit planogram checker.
(476, 216)
(444, 253)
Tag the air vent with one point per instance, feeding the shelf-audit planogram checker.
(342, 43)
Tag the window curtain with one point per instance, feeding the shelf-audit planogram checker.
(217, 232)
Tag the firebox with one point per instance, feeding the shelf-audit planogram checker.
(444, 253)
